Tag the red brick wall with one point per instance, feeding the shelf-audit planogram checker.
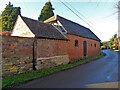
(14, 46)
(77, 52)
(17, 53)
(46, 47)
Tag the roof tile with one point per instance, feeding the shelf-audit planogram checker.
(43, 30)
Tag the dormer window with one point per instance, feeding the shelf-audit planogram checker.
(61, 28)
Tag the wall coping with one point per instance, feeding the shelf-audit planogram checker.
(44, 58)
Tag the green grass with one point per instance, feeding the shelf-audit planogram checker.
(19, 78)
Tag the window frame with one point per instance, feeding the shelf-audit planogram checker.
(95, 45)
(91, 44)
(76, 43)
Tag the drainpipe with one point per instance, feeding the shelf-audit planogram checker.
(34, 50)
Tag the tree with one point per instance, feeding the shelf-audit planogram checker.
(110, 44)
(5, 15)
(13, 16)
(9, 16)
(46, 12)
(115, 35)
(113, 43)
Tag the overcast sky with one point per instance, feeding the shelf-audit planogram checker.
(98, 15)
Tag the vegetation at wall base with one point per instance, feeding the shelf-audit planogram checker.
(9, 81)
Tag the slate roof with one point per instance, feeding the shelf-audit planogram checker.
(75, 28)
(43, 30)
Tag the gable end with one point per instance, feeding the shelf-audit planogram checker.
(21, 29)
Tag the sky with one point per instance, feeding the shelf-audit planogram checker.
(98, 15)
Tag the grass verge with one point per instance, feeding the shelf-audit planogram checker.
(19, 78)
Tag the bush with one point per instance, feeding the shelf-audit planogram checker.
(103, 47)
(115, 48)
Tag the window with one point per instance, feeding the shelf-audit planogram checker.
(95, 45)
(61, 28)
(91, 45)
(76, 43)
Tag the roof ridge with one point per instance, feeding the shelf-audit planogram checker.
(83, 28)
(42, 30)
(72, 21)
(50, 18)
(33, 19)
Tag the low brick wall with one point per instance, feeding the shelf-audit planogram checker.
(17, 54)
(14, 46)
(48, 62)
(16, 64)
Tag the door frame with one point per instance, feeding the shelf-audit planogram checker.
(84, 48)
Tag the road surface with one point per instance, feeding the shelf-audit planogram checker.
(101, 73)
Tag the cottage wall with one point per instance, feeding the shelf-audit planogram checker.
(77, 52)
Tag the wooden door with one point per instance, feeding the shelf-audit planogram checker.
(85, 48)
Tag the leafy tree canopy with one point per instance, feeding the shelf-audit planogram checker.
(9, 16)
(115, 35)
(113, 43)
(46, 12)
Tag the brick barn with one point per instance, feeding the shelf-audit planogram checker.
(35, 45)
(50, 47)
(82, 41)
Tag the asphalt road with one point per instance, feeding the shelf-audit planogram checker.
(101, 73)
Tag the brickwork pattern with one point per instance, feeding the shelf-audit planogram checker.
(17, 53)
(48, 48)
(77, 52)
(52, 61)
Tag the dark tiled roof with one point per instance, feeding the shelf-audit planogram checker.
(76, 29)
(43, 30)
